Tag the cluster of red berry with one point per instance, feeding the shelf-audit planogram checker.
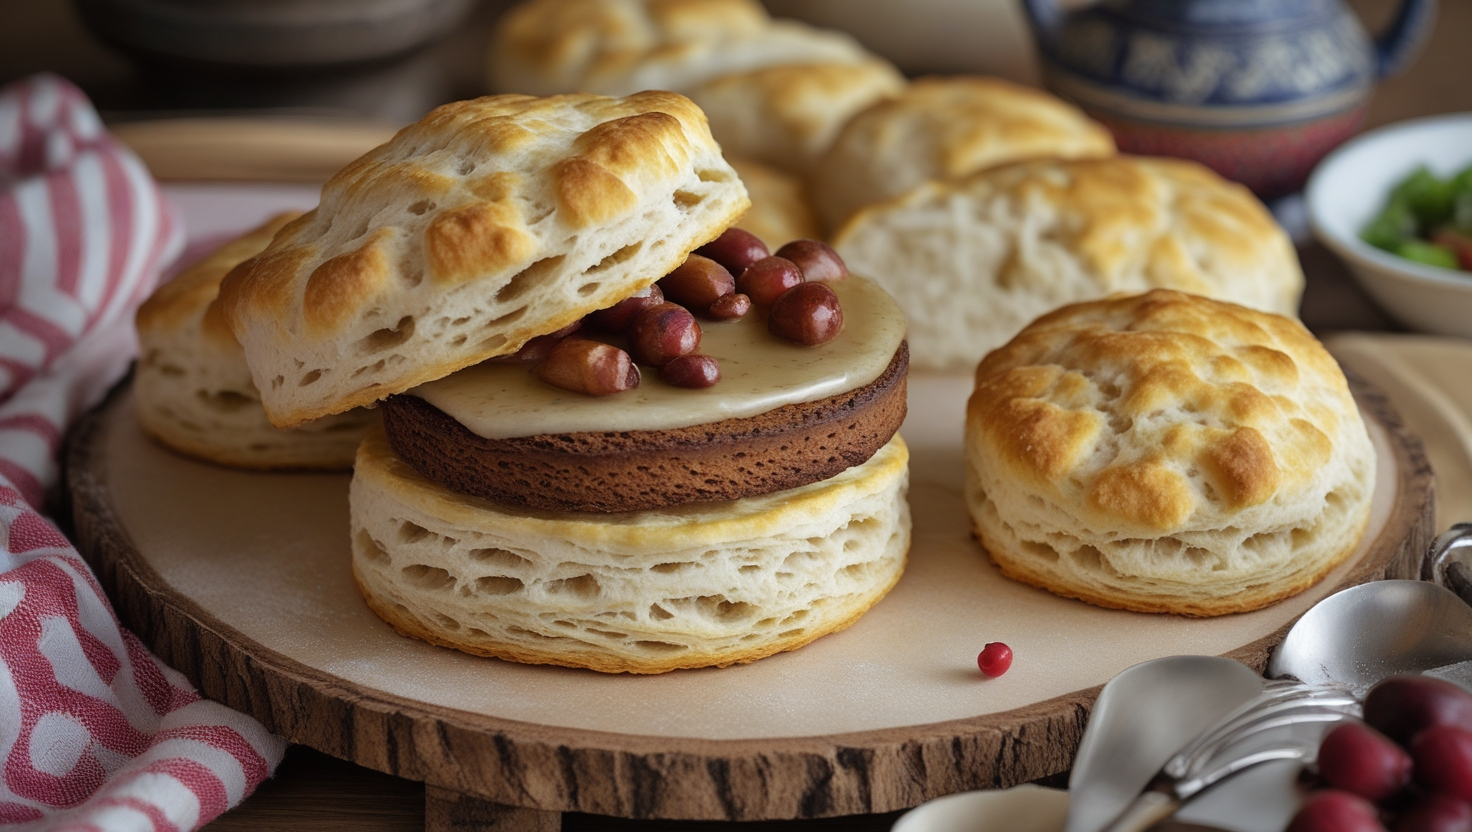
(1407, 767)
(722, 280)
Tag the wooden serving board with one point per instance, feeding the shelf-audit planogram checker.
(241, 581)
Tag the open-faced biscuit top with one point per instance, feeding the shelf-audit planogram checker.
(485, 224)
(1164, 411)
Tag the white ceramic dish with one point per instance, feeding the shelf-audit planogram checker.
(1021, 809)
(1350, 186)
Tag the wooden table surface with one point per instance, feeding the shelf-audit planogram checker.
(312, 791)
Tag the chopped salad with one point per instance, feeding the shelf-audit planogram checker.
(1427, 219)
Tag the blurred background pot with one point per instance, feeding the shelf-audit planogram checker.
(270, 34)
(1259, 90)
(930, 36)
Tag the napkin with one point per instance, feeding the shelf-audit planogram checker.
(95, 732)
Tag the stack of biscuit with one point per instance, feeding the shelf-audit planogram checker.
(900, 175)
(194, 391)
(776, 91)
(642, 531)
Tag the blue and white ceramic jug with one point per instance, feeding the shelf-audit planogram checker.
(1259, 90)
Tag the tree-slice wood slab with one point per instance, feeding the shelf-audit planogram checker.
(241, 581)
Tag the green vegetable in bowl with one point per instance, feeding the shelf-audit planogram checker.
(1427, 219)
(1429, 253)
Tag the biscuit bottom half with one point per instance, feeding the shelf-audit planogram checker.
(1199, 573)
(700, 585)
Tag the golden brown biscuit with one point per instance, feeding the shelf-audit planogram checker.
(972, 261)
(1166, 453)
(617, 47)
(481, 226)
(939, 128)
(713, 584)
(779, 212)
(787, 116)
(193, 386)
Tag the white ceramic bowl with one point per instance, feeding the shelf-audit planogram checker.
(1352, 185)
(1019, 809)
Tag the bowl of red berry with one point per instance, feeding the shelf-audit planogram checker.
(1407, 767)
(1396, 206)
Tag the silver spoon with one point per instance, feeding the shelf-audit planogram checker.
(1366, 633)
(1355, 637)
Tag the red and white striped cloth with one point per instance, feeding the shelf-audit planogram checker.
(95, 733)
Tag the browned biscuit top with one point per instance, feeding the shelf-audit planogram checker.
(606, 472)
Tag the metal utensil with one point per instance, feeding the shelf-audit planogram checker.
(1142, 717)
(1265, 729)
(1365, 633)
(1341, 646)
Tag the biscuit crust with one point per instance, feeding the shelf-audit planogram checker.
(1167, 453)
(786, 448)
(195, 393)
(945, 127)
(1004, 246)
(788, 115)
(485, 224)
(617, 47)
(701, 586)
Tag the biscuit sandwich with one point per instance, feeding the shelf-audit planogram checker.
(1167, 453)
(595, 451)
(194, 390)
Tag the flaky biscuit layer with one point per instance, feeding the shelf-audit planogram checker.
(709, 584)
(617, 47)
(942, 128)
(194, 390)
(788, 115)
(972, 261)
(485, 224)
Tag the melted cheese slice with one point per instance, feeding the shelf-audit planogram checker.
(759, 372)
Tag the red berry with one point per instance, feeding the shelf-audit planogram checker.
(766, 279)
(818, 261)
(807, 314)
(735, 249)
(1357, 758)
(691, 371)
(995, 658)
(1436, 813)
(1443, 755)
(697, 283)
(617, 317)
(1401, 706)
(1335, 811)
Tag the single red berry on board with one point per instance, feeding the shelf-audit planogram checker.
(1336, 811)
(1358, 759)
(995, 658)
